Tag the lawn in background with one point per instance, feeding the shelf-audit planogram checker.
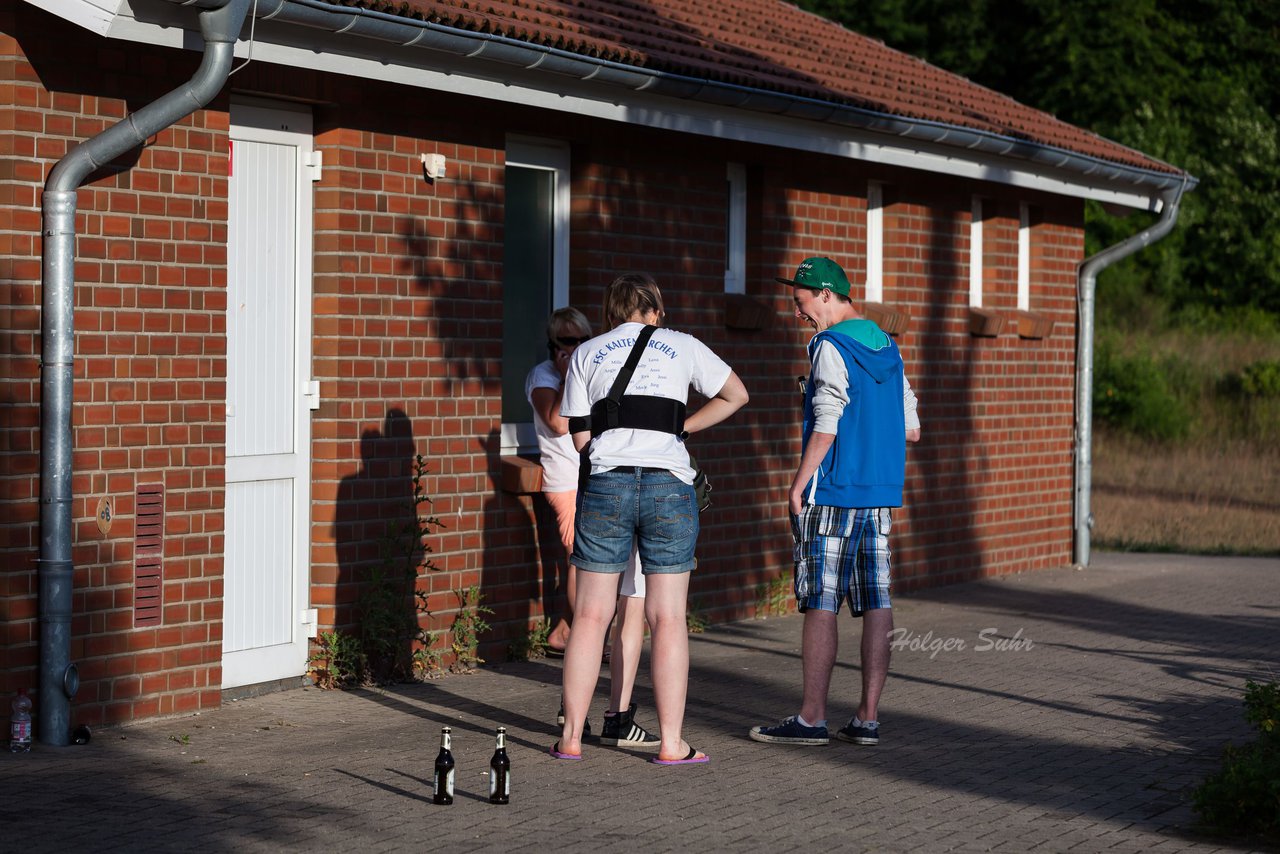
(1186, 451)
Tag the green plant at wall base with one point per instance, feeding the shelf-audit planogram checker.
(1243, 797)
(534, 644)
(466, 630)
(773, 598)
(338, 661)
(428, 659)
(694, 619)
(391, 605)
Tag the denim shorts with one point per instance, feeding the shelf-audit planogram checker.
(650, 507)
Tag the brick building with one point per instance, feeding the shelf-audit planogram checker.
(344, 260)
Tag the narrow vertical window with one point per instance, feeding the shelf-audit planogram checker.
(975, 252)
(735, 238)
(875, 242)
(535, 272)
(1024, 257)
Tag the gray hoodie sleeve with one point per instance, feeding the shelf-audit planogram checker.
(830, 388)
(909, 404)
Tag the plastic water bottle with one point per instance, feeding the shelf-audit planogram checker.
(20, 724)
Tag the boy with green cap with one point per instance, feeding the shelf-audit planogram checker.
(859, 412)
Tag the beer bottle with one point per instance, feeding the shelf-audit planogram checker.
(442, 789)
(500, 771)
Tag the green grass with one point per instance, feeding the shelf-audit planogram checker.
(1187, 437)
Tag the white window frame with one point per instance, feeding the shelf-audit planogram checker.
(875, 242)
(1024, 256)
(552, 156)
(735, 274)
(975, 252)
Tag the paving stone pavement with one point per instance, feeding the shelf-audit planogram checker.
(1065, 710)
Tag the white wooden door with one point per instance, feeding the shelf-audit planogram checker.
(266, 622)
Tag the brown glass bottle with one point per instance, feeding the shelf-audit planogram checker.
(442, 788)
(500, 771)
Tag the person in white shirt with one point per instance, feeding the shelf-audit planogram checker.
(566, 329)
(640, 491)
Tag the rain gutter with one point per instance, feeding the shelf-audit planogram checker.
(404, 32)
(220, 22)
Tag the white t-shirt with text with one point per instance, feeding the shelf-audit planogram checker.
(672, 363)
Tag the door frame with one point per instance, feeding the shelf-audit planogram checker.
(258, 120)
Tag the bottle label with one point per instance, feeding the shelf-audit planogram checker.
(20, 732)
(447, 789)
(497, 787)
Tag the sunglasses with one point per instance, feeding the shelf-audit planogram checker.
(566, 341)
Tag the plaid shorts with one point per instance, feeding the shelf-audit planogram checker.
(841, 554)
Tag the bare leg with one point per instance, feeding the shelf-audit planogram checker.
(818, 646)
(628, 639)
(596, 601)
(564, 505)
(876, 626)
(665, 601)
(559, 636)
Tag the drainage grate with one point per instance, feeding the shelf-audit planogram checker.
(148, 554)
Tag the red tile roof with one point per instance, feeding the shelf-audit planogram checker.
(767, 45)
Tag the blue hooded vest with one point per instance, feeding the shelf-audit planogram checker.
(866, 464)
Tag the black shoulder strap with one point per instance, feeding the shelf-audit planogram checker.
(633, 359)
(612, 403)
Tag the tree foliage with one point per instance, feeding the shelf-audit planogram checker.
(1190, 82)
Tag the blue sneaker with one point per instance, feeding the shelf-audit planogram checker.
(864, 733)
(790, 731)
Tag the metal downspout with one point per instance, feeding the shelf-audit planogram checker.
(220, 23)
(1088, 280)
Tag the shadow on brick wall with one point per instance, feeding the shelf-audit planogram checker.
(945, 466)
(379, 555)
(509, 569)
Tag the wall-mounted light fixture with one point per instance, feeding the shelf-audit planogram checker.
(433, 166)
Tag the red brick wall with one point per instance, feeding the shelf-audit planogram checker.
(408, 350)
(408, 334)
(149, 368)
(989, 488)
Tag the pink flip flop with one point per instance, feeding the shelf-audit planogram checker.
(692, 759)
(556, 754)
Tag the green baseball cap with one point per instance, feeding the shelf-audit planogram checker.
(819, 273)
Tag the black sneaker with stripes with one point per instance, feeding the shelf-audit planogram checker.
(621, 730)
